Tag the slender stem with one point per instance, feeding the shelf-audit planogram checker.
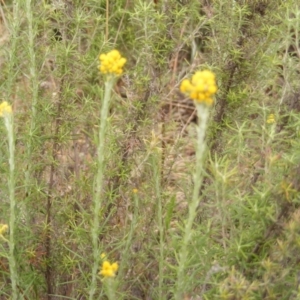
(48, 230)
(125, 255)
(106, 21)
(110, 288)
(203, 113)
(98, 184)
(14, 46)
(156, 160)
(31, 32)
(8, 119)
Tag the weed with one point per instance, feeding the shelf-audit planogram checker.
(188, 199)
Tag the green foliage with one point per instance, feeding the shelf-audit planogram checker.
(244, 242)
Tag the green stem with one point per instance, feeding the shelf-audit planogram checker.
(14, 47)
(156, 160)
(98, 184)
(125, 255)
(34, 84)
(8, 120)
(203, 113)
(110, 288)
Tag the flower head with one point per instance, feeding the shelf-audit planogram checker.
(3, 229)
(201, 87)
(112, 63)
(108, 269)
(5, 108)
(271, 119)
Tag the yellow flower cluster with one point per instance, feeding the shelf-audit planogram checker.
(3, 229)
(108, 269)
(271, 119)
(201, 87)
(5, 108)
(112, 63)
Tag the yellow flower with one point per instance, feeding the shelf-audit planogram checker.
(201, 87)
(271, 119)
(135, 191)
(3, 228)
(5, 108)
(108, 269)
(185, 86)
(112, 63)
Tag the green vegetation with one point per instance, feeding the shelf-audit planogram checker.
(120, 206)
